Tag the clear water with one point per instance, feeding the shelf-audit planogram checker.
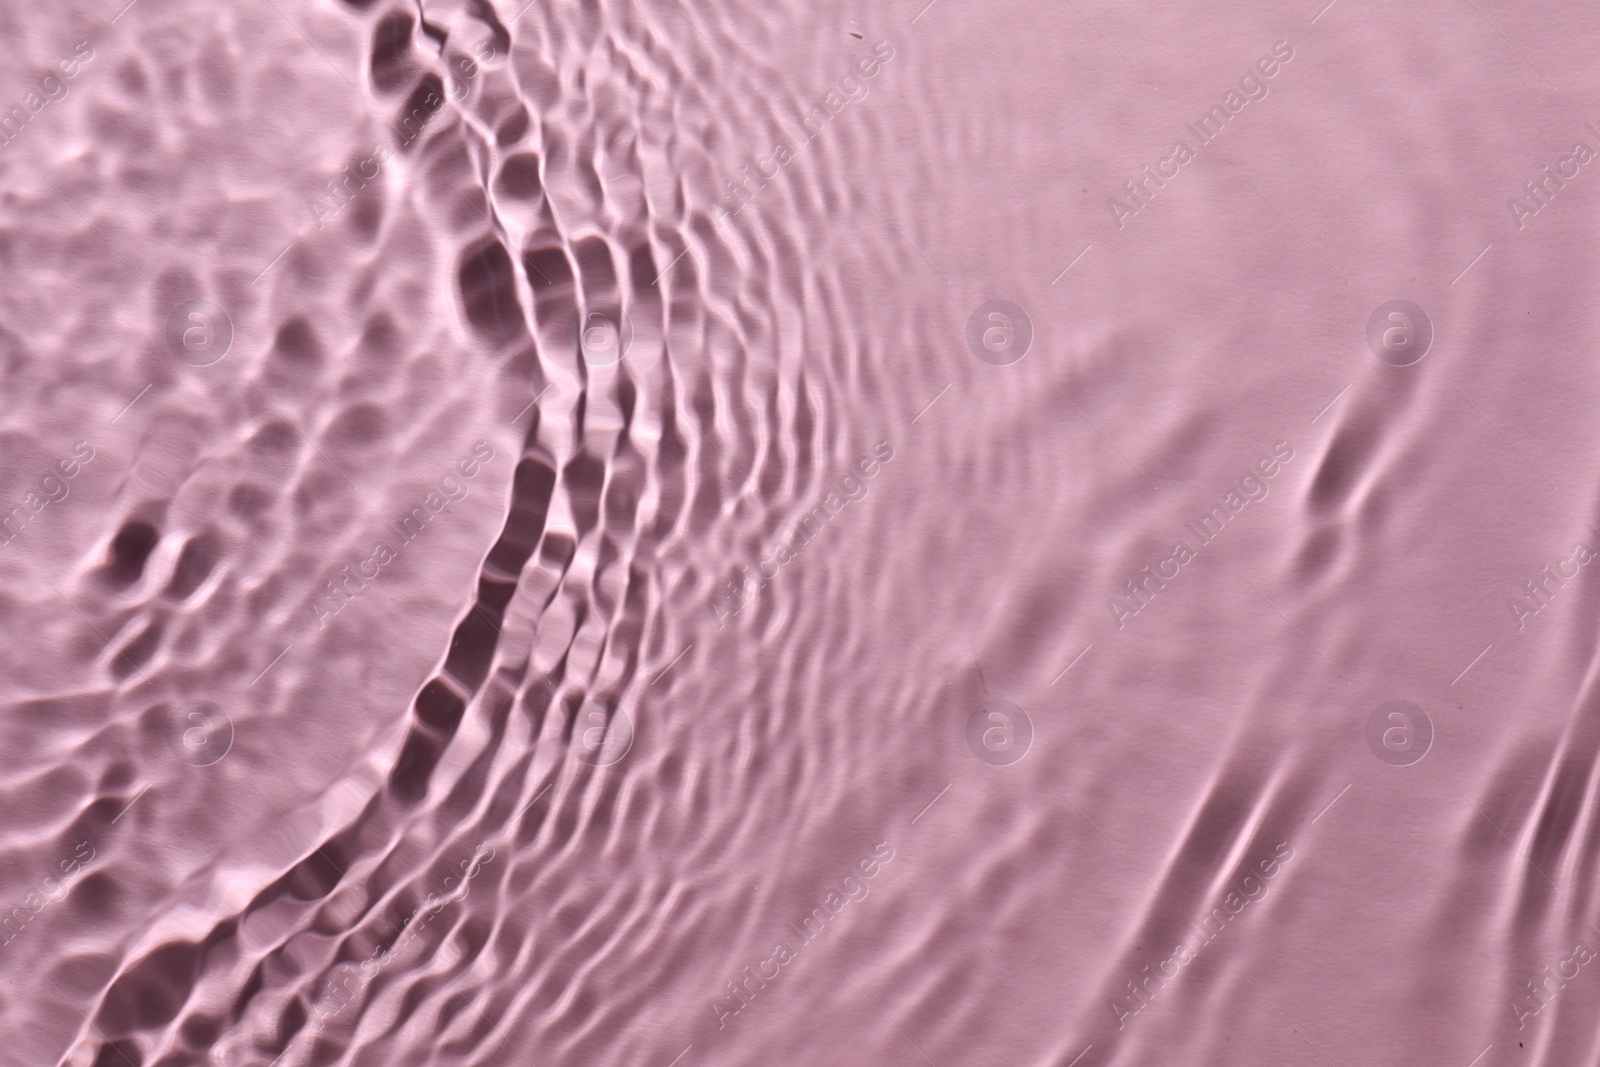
(967, 533)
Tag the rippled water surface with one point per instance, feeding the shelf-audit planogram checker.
(649, 535)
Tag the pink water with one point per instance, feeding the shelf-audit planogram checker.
(971, 533)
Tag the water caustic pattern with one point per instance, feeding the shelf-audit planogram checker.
(953, 533)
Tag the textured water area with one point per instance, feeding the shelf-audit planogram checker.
(638, 534)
